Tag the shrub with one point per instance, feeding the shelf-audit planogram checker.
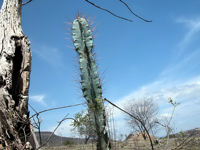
(67, 142)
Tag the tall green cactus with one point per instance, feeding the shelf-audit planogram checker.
(90, 81)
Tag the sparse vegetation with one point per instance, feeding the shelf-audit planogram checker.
(166, 122)
(67, 142)
(133, 143)
(83, 126)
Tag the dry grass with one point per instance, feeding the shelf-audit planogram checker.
(134, 144)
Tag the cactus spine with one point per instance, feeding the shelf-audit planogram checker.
(91, 87)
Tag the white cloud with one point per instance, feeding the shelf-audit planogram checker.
(185, 58)
(161, 93)
(64, 129)
(186, 92)
(39, 99)
(51, 55)
(167, 115)
(184, 66)
(193, 28)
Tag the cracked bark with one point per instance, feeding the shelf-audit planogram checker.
(15, 67)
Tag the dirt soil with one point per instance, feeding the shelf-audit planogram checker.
(138, 144)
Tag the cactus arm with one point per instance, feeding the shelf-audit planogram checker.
(80, 46)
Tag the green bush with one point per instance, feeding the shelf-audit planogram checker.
(67, 142)
(172, 136)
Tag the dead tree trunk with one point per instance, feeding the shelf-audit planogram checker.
(15, 67)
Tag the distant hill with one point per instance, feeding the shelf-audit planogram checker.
(57, 140)
(193, 132)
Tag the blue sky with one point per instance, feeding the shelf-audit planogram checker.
(142, 60)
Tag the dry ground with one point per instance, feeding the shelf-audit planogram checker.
(134, 144)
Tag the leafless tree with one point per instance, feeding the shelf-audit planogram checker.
(146, 110)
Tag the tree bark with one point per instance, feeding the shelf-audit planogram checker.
(87, 138)
(15, 67)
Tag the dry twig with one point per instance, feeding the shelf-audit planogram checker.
(108, 11)
(117, 15)
(26, 2)
(134, 13)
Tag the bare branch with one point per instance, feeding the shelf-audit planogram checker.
(56, 108)
(108, 11)
(26, 2)
(134, 13)
(55, 130)
(171, 116)
(33, 109)
(160, 124)
(38, 124)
